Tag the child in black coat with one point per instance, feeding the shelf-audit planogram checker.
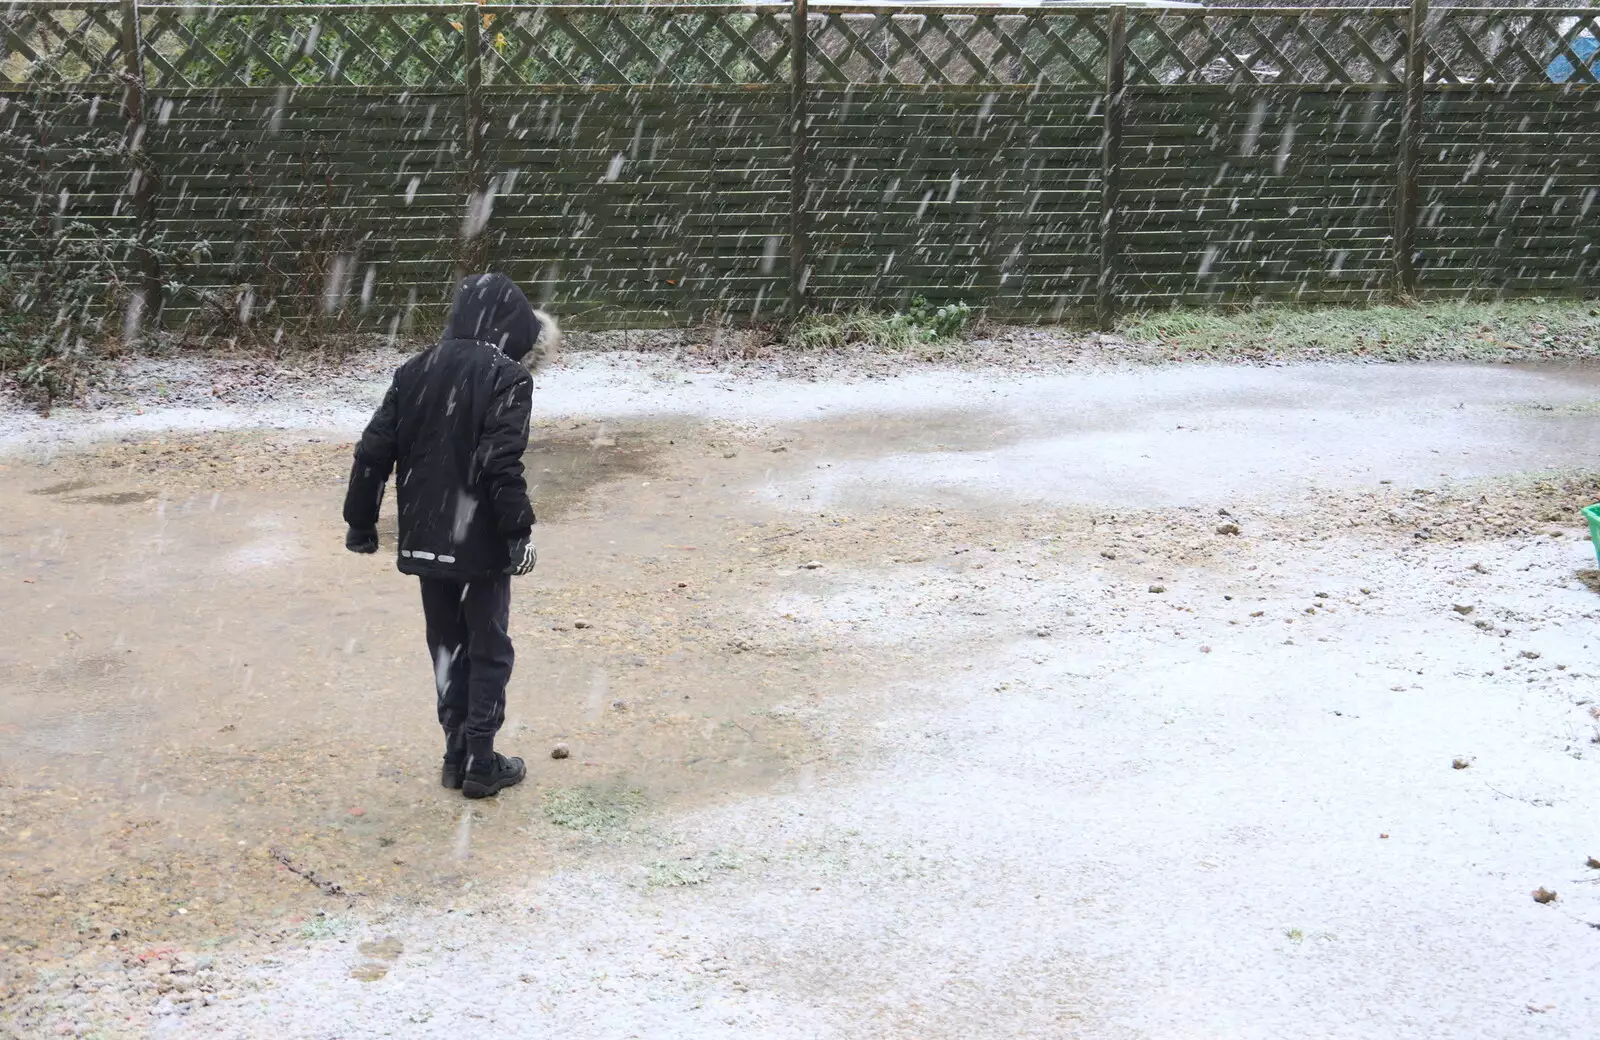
(453, 427)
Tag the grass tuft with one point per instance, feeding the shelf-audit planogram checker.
(683, 873)
(922, 324)
(592, 809)
(1500, 331)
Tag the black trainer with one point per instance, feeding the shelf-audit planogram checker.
(502, 774)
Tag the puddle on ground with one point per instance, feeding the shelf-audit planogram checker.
(1230, 437)
(874, 436)
(560, 471)
(64, 487)
(119, 498)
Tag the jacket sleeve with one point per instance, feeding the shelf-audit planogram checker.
(375, 458)
(500, 451)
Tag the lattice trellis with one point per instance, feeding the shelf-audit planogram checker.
(667, 45)
(1313, 46)
(60, 43)
(415, 46)
(1465, 46)
(1056, 47)
(297, 45)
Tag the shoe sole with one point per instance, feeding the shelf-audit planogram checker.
(476, 789)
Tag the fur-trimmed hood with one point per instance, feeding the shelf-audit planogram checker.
(489, 308)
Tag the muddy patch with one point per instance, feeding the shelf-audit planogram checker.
(562, 465)
(379, 954)
(180, 462)
(561, 470)
(119, 498)
(64, 487)
(386, 949)
(67, 491)
(244, 687)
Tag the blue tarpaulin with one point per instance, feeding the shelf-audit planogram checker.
(1585, 47)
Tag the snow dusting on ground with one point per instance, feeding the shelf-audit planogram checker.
(1190, 702)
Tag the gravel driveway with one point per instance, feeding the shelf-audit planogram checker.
(1170, 702)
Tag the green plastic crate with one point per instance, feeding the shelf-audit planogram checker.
(1592, 514)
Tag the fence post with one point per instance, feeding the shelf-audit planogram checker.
(1111, 165)
(1407, 191)
(140, 171)
(799, 252)
(475, 244)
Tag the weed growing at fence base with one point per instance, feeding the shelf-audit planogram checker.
(920, 324)
(61, 280)
(1534, 329)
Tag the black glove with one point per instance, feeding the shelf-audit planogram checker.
(361, 539)
(523, 556)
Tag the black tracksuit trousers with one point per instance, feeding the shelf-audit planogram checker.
(469, 640)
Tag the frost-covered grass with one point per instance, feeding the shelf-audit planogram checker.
(592, 809)
(1534, 330)
(921, 324)
(689, 871)
(324, 928)
(1435, 331)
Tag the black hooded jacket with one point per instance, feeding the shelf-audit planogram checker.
(453, 426)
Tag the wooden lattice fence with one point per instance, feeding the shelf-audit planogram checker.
(655, 163)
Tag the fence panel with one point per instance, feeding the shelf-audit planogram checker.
(1269, 47)
(955, 157)
(976, 194)
(1511, 47)
(663, 45)
(1509, 192)
(65, 196)
(1234, 196)
(638, 158)
(1260, 150)
(637, 164)
(219, 47)
(1511, 132)
(642, 204)
(61, 140)
(309, 203)
(60, 42)
(948, 47)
